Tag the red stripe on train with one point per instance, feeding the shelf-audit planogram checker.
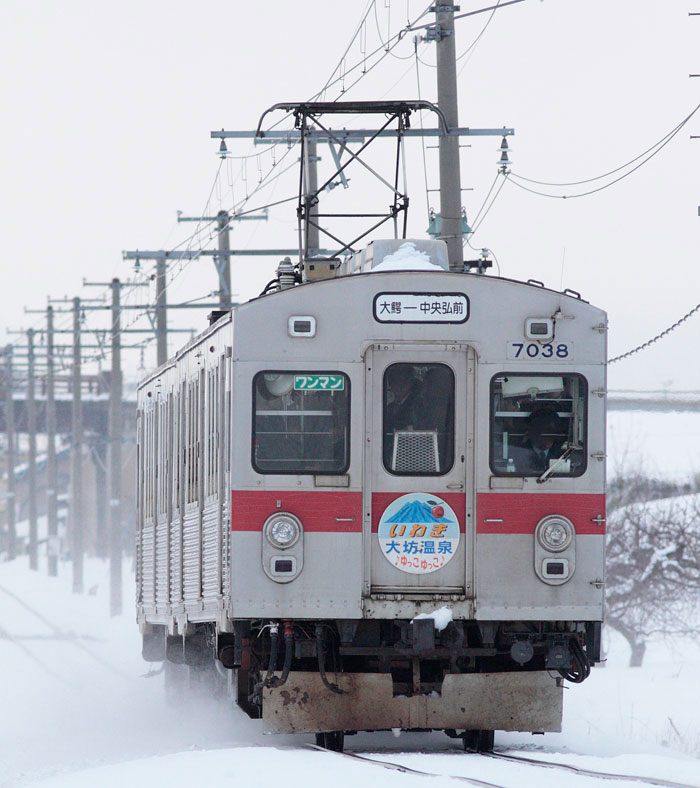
(519, 513)
(380, 501)
(328, 510)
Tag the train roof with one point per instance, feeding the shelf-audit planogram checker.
(504, 292)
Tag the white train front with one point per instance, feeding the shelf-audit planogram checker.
(376, 500)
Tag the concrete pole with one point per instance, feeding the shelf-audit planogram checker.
(98, 449)
(77, 457)
(10, 505)
(450, 179)
(312, 238)
(51, 471)
(223, 262)
(161, 312)
(115, 459)
(31, 472)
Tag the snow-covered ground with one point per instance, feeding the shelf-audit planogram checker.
(664, 445)
(79, 709)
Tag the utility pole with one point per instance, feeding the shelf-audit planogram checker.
(450, 178)
(51, 471)
(161, 313)
(116, 439)
(77, 457)
(115, 459)
(312, 234)
(10, 426)
(31, 431)
(160, 324)
(222, 260)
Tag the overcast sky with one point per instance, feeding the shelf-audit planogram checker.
(107, 109)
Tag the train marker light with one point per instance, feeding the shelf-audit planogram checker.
(282, 530)
(555, 533)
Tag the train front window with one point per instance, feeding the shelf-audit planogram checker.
(301, 422)
(538, 425)
(418, 419)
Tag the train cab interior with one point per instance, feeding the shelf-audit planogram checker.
(538, 424)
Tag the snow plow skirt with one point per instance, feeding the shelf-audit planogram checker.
(528, 701)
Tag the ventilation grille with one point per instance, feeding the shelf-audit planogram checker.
(415, 452)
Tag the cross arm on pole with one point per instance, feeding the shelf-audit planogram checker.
(177, 255)
(232, 217)
(359, 135)
(110, 284)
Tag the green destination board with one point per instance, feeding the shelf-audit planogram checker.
(319, 382)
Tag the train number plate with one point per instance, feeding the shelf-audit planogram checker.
(536, 351)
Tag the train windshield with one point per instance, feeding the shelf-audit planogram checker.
(301, 422)
(418, 419)
(538, 425)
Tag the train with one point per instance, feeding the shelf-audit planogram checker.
(373, 498)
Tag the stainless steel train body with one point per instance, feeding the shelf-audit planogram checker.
(288, 530)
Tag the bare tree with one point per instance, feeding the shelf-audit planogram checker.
(653, 570)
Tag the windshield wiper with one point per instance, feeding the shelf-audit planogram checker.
(557, 462)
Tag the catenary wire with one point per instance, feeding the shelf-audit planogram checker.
(201, 228)
(650, 342)
(480, 34)
(486, 212)
(385, 45)
(656, 147)
(486, 199)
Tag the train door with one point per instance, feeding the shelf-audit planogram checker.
(419, 470)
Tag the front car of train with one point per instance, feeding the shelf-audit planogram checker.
(415, 532)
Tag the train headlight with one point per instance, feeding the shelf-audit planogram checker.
(282, 530)
(555, 533)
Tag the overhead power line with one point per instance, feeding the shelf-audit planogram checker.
(639, 348)
(649, 153)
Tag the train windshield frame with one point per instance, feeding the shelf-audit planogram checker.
(301, 422)
(418, 418)
(538, 424)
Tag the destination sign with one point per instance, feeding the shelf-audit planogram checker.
(421, 308)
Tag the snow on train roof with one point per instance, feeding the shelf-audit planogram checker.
(406, 258)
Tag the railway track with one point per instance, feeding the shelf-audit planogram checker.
(56, 633)
(5, 635)
(589, 772)
(534, 762)
(407, 770)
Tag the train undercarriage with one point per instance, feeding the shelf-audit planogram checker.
(335, 677)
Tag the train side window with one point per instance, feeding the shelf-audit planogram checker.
(301, 422)
(418, 419)
(538, 422)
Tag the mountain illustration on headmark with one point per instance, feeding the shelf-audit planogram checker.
(416, 512)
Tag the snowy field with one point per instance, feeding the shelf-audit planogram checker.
(79, 709)
(665, 445)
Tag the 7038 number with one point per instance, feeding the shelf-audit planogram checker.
(533, 350)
